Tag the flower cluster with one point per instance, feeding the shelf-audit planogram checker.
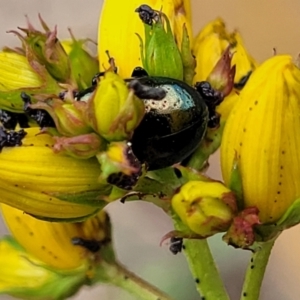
(77, 134)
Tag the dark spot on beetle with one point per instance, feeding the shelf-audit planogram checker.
(281, 175)
(256, 102)
(197, 280)
(55, 257)
(275, 201)
(43, 248)
(31, 233)
(271, 218)
(279, 183)
(125, 277)
(18, 219)
(250, 108)
(252, 267)
(251, 259)
(244, 130)
(50, 199)
(283, 152)
(16, 185)
(281, 167)
(278, 192)
(12, 105)
(244, 294)
(241, 144)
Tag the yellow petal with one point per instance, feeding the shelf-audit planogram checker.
(16, 72)
(263, 129)
(51, 242)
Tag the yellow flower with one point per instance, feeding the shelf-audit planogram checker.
(51, 242)
(113, 35)
(205, 207)
(41, 260)
(210, 44)
(262, 131)
(36, 180)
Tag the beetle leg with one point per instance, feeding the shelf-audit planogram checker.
(212, 99)
(147, 92)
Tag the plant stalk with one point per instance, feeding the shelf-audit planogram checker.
(256, 270)
(117, 275)
(203, 268)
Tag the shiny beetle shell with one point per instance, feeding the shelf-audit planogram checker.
(173, 127)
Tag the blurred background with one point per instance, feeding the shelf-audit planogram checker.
(138, 226)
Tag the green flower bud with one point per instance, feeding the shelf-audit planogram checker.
(159, 52)
(205, 207)
(47, 50)
(83, 65)
(81, 146)
(69, 117)
(114, 110)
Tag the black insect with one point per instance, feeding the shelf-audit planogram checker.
(10, 120)
(176, 244)
(176, 119)
(147, 14)
(41, 116)
(11, 138)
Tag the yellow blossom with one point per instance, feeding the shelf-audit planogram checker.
(262, 132)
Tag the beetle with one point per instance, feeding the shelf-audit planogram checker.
(177, 116)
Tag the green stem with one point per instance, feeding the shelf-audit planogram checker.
(203, 267)
(256, 270)
(117, 275)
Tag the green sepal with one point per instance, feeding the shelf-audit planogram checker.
(290, 218)
(83, 65)
(160, 53)
(188, 60)
(236, 184)
(189, 174)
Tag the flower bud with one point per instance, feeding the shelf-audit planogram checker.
(51, 242)
(69, 117)
(80, 146)
(83, 65)
(210, 44)
(40, 182)
(159, 51)
(262, 131)
(111, 35)
(46, 49)
(26, 277)
(205, 207)
(114, 110)
(119, 166)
